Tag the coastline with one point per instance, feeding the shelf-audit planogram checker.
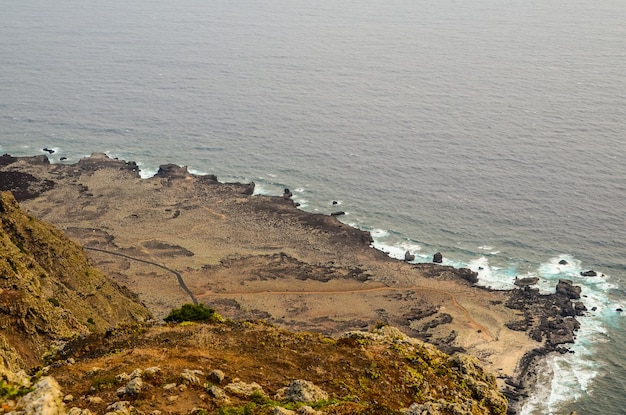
(307, 255)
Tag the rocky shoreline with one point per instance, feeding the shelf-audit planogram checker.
(257, 257)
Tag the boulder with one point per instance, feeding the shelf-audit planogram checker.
(134, 387)
(438, 258)
(151, 371)
(408, 256)
(339, 213)
(45, 399)
(192, 377)
(590, 273)
(287, 194)
(216, 376)
(278, 410)
(304, 391)
(244, 390)
(562, 262)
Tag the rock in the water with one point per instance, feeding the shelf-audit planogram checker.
(562, 262)
(568, 289)
(408, 256)
(287, 194)
(590, 273)
(339, 213)
(438, 258)
(304, 391)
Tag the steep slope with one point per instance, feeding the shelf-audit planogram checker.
(48, 289)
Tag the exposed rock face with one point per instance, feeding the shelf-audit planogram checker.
(408, 256)
(438, 258)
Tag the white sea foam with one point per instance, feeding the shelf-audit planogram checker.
(492, 277)
(569, 376)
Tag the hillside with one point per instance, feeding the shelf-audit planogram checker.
(231, 368)
(49, 291)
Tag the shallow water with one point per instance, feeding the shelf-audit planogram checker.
(491, 131)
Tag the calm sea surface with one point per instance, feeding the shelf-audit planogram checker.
(491, 130)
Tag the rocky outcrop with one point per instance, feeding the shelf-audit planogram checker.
(568, 289)
(551, 321)
(438, 258)
(590, 273)
(408, 256)
(523, 282)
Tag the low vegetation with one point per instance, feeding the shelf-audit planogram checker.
(193, 312)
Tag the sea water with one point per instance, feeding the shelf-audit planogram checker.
(491, 131)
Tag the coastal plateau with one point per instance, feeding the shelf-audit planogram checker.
(178, 238)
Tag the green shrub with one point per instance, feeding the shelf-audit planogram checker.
(192, 312)
(9, 391)
(54, 302)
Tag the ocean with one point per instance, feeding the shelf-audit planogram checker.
(492, 131)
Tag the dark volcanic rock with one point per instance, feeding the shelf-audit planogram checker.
(468, 275)
(568, 289)
(562, 262)
(287, 194)
(172, 171)
(340, 213)
(522, 282)
(408, 256)
(590, 273)
(24, 186)
(438, 258)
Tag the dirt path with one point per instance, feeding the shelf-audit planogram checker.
(179, 277)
